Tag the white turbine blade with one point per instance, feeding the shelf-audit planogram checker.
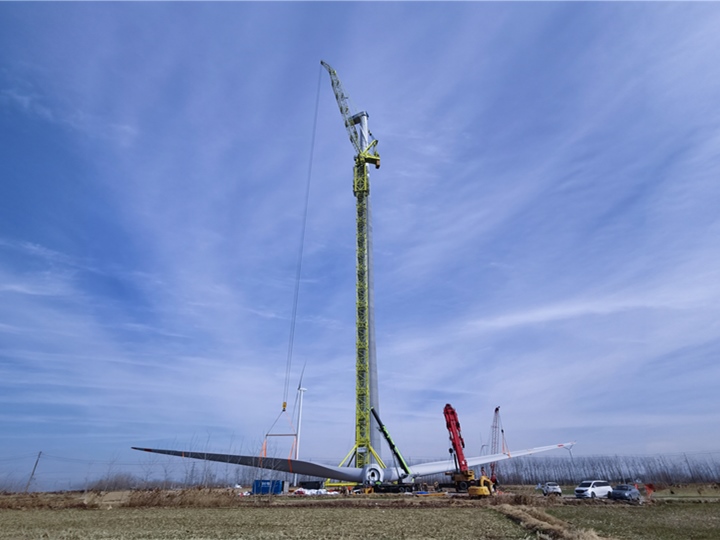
(435, 467)
(472, 462)
(348, 474)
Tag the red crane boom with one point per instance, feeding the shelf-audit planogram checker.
(464, 477)
(458, 444)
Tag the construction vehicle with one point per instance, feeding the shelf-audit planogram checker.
(400, 461)
(405, 482)
(463, 477)
(364, 452)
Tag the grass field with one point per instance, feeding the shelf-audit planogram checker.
(261, 523)
(666, 521)
(221, 514)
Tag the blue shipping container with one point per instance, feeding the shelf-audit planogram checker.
(268, 487)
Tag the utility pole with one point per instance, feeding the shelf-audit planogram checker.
(32, 474)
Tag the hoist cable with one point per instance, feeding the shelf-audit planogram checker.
(273, 425)
(298, 274)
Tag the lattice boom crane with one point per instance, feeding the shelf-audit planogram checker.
(498, 438)
(366, 438)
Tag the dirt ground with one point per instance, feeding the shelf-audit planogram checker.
(224, 514)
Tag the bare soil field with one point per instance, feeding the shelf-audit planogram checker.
(200, 514)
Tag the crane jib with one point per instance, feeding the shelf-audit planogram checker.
(360, 139)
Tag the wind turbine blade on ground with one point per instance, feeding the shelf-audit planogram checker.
(275, 464)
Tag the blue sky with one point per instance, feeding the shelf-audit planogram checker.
(545, 225)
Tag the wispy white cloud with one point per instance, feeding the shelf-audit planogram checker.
(78, 120)
(544, 218)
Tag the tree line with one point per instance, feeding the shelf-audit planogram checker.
(170, 472)
(568, 470)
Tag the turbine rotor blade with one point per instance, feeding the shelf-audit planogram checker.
(348, 474)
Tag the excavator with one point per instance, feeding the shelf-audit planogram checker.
(463, 476)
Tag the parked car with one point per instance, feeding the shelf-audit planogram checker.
(551, 488)
(625, 492)
(592, 489)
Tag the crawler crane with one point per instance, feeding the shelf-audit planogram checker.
(364, 452)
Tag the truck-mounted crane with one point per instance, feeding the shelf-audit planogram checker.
(463, 477)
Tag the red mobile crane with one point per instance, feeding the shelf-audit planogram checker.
(463, 477)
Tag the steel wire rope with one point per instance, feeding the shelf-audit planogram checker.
(298, 270)
(89, 462)
(75, 460)
(18, 457)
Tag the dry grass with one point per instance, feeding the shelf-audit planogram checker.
(258, 522)
(46, 501)
(544, 525)
(219, 514)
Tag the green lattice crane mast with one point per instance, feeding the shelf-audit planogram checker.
(367, 440)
